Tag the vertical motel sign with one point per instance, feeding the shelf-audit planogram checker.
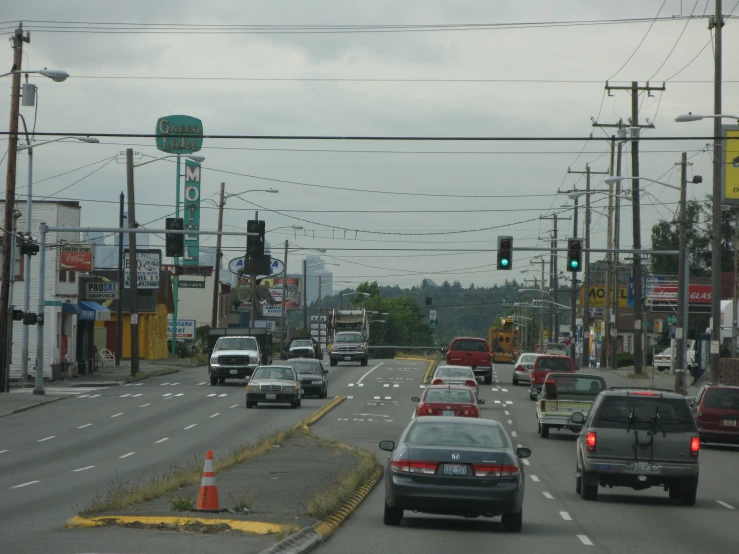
(192, 212)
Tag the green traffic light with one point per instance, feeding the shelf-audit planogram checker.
(504, 262)
(574, 264)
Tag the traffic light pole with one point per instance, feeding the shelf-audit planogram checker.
(176, 280)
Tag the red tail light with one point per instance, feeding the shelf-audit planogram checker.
(470, 383)
(550, 382)
(695, 446)
(494, 470)
(471, 412)
(543, 406)
(644, 393)
(590, 440)
(520, 368)
(437, 382)
(410, 466)
(423, 409)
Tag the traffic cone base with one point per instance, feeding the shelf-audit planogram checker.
(208, 497)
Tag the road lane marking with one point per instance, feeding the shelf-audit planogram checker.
(127, 455)
(386, 385)
(495, 389)
(163, 384)
(82, 469)
(47, 438)
(85, 425)
(180, 394)
(526, 463)
(534, 478)
(124, 395)
(168, 394)
(234, 406)
(504, 390)
(547, 495)
(94, 396)
(726, 505)
(173, 384)
(189, 426)
(395, 386)
(83, 396)
(137, 395)
(387, 398)
(3, 451)
(223, 395)
(507, 412)
(349, 397)
(210, 395)
(370, 371)
(585, 540)
(514, 434)
(351, 384)
(376, 398)
(161, 440)
(509, 402)
(203, 383)
(565, 516)
(215, 415)
(116, 415)
(360, 385)
(145, 405)
(25, 484)
(497, 401)
(510, 422)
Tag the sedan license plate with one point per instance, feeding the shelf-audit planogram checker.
(455, 469)
(642, 467)
(730, 423)
(234, 372)
(271, 397)
(348, 358)
(448, 412)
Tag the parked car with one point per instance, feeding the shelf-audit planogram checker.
(448, 400)
(522, 368)
(455, 466)
(312, 375)
(273, 384)
(233, 357)
(663, 360)
(638, 438)
(456, 375)
(474, 353)
(717, 409)
(564, 394)
(544, 365)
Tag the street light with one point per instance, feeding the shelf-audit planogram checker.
(57, 75)
(196, 159)
(341, 297)
(695, 117)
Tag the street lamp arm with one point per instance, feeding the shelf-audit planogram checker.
(90, 140)
(197, 159)
(57, 75)
(238, 194)
(684, 118)
(614, 180)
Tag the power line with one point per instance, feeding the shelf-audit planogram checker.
(641, 41)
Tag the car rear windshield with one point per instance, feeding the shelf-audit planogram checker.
(236, 343)
(554, 364)
(273, 372)
(449, 396)
(456, 434)
(302, 344)
(578, 384)
(349, 337)
(469, 345)
(722, 399)
(451, 372)
(306, 367)
(624, 412)
(528, 359)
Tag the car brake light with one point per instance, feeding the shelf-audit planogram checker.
(423, 409)
(470, 383)
(695, 446)
(410, 466)
(437, 382)
(494, 470)
(543, 406)
(520, 368)
(471, 412)
(590, 440)
(644, 393)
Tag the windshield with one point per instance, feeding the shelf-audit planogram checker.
(236, 343)
(447, 372)
(273, 372)
(449, 396)
(577, 384)
(349, 337)
(554, 364)
(305, 366)
(624, 412)
(456, 434)
(302, 344)
(469, 345)
(722, 399)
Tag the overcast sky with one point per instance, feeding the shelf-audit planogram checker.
(536, 82)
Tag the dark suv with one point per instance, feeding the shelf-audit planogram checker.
(638, 438)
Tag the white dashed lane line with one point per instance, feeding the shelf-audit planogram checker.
(116, 415)
(47, 438)
(127, 455)
(163, 384)
(3, 451)
(510, 422)
(145, 405)
(211, 395)
(514, 434)
(124, 395)
(234, 406)
(214, 415)
(25, 484)
(526, 463)
(168, 394)
(547, 495)
(190, 426)
(85, 425)
(534, 478)
(726, 505)
(137, 395)
(585, 540)
(565, 516)
(203, 383)
(82, 469)
(161, 440)
(222, 395)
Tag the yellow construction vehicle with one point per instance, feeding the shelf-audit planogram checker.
(505, 341)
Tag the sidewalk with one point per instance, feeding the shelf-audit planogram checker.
(661, 379)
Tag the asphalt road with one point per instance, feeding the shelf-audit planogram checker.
(53, 459)
(556, 520)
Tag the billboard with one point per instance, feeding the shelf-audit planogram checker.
(598, 296)
(192, 212)
(186, 329)
(274, 284)
(179, 134)
(730, 165)
(77, 257)
(148, 264)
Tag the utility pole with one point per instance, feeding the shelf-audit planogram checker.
(681, 333)
(541, 312)
(585, 362)
(605, 350)
(320, 344)
(283, 312)
(119, 310)
(305, 295)
(554, 335)
(735, 296)
(636, 213)
(15, 95)
(133, 268)
(219, 254)
(717, 25)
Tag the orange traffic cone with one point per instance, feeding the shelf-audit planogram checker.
(208, 497)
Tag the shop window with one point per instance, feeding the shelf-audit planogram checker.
(72, 276)
(62, 275)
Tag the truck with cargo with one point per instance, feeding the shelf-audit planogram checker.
(350, 340)
(235, 352)
(505, 341)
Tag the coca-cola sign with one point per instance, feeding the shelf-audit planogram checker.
(77, 257)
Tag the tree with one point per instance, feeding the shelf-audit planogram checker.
(666, 236)
(727, 234)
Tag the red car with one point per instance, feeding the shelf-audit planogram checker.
(545, 364)
(717, 408)
(448, 400)
(474, 353)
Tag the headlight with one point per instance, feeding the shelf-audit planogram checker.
(289, 388)
(214, 359)
(334, 348)
(360, 349)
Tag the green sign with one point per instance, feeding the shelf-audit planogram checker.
(52, 303)
(179, 134)
(671, 319)
(192, 212)
(645, 324)
(192, 284)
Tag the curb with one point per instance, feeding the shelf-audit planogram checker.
(32, 406)
(308, 538)
(252, 527)
(430, 371)
(148, 376)
(318, 414)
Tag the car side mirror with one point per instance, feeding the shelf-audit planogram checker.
(325, 371)
(415, 399)
(481, 401)
(692, 403)
(698, 422)
(577, 418)
(387, 446)
(523, 452)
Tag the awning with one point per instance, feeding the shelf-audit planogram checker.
(69, 308)
(92, 311)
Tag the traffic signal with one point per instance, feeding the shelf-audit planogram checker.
(28, 246)
(574, 255)
(255, 244)
(195, 270)
(505, 252)
(175, 244)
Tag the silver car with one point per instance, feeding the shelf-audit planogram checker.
(522, 368)
(273, 384)
(456, 375)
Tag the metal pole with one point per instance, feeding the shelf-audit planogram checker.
(555, 285)
(39, 388)
(320, 344)
(176, 285)
(541, 312)
(637, 271)
(735, 295)
(684, 294)
(305, 295)
(119, 309)
(133, 271)
(681, 333)
(605, 350)
(283, 312)
(586, 277)
(718, 23)
(219, 254)
(27, 271)
(616, 244)
(573, 301)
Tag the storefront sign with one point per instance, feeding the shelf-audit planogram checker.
(185, 329)
(179, 134)
(148, 264)
(77, 257)
(271, 311)
(598, 296)
(98, 290)
(191, 284)
(192, 212)
(730, 167)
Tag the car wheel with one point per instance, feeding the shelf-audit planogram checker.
(250, 405)
(294, 405)
(222, 380)
(365, 361)
(332, 362)
(489, 380)
(544, 431)
(675, 491)
(325, 392)
(587, 492)
(687, 498)
(513, 523)
(392, 516)
(578, 485)
(531, 396)
(213, 381)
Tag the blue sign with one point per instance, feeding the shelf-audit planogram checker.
(277, 267)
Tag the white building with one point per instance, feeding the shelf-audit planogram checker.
(60, 327)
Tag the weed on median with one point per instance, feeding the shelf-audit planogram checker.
(242, 501)
(286, 532)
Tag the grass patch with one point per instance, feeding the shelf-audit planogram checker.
(327, 501)
(242, 501)
(286, 532)
(154, 373)
(122, 494)
(643, 375)
(182, 505)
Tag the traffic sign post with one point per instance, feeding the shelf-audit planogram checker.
(433, 319)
